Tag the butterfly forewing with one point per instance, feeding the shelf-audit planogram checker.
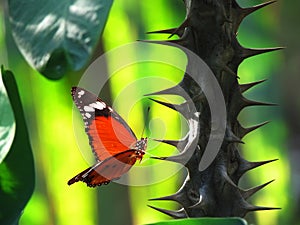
(108, 133)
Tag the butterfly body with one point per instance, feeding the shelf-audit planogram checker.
(114, 144)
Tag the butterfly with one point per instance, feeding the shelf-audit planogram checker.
(113, 143)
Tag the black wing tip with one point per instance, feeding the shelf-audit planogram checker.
(78, 177)
(76, 89)
(73, 180)
(70, 182)
(73, 90)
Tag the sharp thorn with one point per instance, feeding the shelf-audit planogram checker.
(166, 31)
(174, 143)
(253, 165)
(181, 108)
(248, 11)
(249, 192)
(249, 52)
(173, 43)
(251, 208)
(179, 144)
(164, 42)
(175, 214)
(243, 12)
(158, 157)
(179, 31)
(245, 87)
(179, 197)
(176, 90)
(245, 131)
(246, 165)
(168, 198)
(169, 105)
(248, 103)
(181, 158)
(177, 107)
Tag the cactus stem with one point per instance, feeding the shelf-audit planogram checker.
(232, 138)
(228, 70)
(228, 179)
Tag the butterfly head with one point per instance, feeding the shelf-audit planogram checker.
(140, 145)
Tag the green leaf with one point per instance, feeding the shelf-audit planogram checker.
(55, 36)
(7, 123)
(204, 221)
(17, 168)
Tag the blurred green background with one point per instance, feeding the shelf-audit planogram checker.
(49, 115)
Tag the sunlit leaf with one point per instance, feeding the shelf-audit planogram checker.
(55, 36)
(204, 221)
(7, 123)
(17, 168)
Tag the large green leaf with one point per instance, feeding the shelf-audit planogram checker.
(7, 123)
(204, 221)
(57, 35)
(17, 168)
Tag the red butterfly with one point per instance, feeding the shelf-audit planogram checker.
(113, 142)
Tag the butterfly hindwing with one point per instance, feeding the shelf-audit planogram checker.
(110, 169)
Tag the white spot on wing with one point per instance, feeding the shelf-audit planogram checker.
(80, 93)
(88, 108)
(88, 115)
(98, 105)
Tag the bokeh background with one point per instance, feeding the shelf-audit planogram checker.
(49, 115)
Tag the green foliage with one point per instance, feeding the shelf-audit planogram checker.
(17, 168)
(7, 123)
(204, 221)
(55, 36)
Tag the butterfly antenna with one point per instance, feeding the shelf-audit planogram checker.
(147, 116)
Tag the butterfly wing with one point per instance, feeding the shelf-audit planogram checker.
(108, 133)
(110, 169)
